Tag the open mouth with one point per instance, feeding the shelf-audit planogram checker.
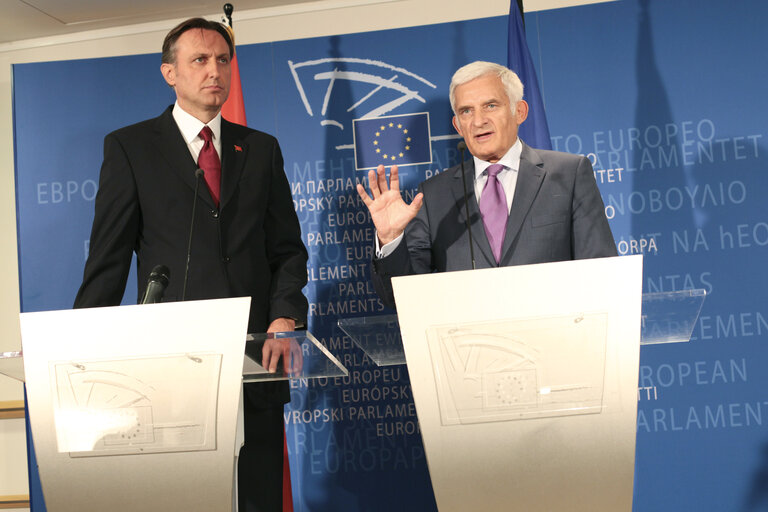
(482, 137)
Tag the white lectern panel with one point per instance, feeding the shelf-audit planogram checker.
(525, 383)
(141, 405)
(135, 407)
(508, 370)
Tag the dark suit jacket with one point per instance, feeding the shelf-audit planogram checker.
(557, 214)
(249, 246)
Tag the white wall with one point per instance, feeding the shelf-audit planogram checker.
(322, 18)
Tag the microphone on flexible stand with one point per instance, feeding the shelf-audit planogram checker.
(156, 285)
(199, 173)
(462, 147)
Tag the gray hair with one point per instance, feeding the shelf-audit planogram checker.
(509, 79)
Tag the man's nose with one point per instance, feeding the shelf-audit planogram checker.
(478, 118)
(213, 68)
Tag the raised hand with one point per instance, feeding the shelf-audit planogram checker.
(390, 214)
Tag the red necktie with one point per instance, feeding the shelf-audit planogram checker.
(208, 161)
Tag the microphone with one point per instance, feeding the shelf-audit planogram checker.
(462, 146)
(199, 173)
(156, 285)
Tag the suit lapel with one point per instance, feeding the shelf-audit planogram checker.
(476, 221)
(233, 153)
(529, 178)
(171, 146)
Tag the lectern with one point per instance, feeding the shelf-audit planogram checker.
(140, 407)
(525, 378)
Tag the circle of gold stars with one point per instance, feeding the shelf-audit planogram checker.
(390, 157)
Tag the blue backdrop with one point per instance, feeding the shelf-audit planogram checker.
(667, 100)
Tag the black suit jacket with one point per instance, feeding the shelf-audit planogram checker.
(557, 214)
(249, 246)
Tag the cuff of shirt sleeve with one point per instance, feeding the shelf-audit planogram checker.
(387, 249)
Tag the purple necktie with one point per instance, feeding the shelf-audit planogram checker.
(208, 161)
(493, 208)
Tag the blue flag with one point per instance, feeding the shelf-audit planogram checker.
(534, 131)
(392, 140)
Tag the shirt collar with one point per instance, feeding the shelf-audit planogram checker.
(510, 160)
(190, 126)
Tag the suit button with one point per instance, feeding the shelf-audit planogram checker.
(225, 259)
(215, 214)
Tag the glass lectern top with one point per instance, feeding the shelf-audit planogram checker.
(667, 317)
(302, 356)
(377, 336)
(12, 365)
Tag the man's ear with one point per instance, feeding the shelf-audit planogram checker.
(521, 111)
(456, 125)
(169, 73)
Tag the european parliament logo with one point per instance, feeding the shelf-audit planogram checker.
(374, 88)
(392, 140)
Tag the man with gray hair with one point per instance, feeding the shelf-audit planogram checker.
(528, 206)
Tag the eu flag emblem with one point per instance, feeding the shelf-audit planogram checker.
(392, 140)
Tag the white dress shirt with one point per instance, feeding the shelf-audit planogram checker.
(507, 177)
(190, 127)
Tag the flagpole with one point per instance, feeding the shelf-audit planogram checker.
(234, 110)
(534, 131)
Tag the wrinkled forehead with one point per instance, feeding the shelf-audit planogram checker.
(481, 91)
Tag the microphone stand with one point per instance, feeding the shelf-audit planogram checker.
(198, 174)
(462, 146)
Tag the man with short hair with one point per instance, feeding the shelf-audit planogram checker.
(525, 205)
(247, 239)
